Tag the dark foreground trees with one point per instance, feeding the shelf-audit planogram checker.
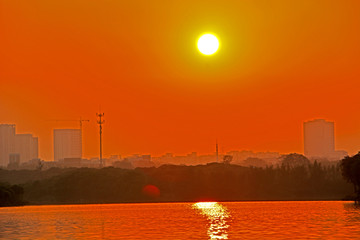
(11, 195)
(350, 169)
(214, 181)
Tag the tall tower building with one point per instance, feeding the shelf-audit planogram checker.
(24, 146)
(7, 142)
(319, 139)
(67, 144)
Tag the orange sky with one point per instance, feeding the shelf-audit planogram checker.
(281, 63)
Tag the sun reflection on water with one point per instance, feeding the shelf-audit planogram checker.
(217, 215)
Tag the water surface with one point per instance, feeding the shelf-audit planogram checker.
(228, 220)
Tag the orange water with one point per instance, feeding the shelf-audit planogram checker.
(230, 220)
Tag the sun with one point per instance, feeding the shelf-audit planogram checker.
(208, 44)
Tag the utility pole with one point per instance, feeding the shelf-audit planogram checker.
(100, 122)
(217, 151)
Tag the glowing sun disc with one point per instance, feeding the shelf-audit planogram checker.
(208, 44)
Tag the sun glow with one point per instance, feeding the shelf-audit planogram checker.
(208, 44)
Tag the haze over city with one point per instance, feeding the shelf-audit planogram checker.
(21, 151)
(179, 119)
(275, 69)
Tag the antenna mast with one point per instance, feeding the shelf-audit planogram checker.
(217, 151)
(100, 122)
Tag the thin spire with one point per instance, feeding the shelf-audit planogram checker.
(217, 151)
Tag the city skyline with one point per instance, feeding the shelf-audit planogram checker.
(159, 94)
(68, 143)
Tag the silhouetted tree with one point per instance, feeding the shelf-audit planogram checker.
(227, 159)
(294, 160)
(11, 195)
(350, 169)
(40, 165)
(254, 162)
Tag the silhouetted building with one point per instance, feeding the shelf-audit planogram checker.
(137, 160)
(14, 161)
(7, 142)
(25, 145)
(339, 154)
(111, 160)
(72, 162)
(240, 156)
(319, 139)
(33, 164)
(67, 144)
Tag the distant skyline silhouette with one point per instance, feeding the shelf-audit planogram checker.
(318, 141)
(141, 63)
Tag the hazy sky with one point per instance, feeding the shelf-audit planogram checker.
(281, 63)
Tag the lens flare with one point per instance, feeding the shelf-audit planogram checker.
(151, 191)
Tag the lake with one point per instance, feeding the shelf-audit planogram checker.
(204, 220)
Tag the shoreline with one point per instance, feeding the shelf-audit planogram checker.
(157, 202)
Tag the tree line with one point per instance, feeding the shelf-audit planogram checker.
(296, 178)
(214, 181)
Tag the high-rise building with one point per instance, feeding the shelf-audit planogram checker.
(319, 139)
(25, 146)
(67, 144)
(7, 142)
